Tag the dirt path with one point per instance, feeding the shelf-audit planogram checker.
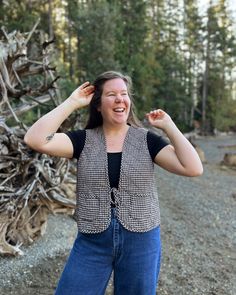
(198, 218)
(199, 227)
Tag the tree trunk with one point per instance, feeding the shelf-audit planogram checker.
(205, 79)
(50, 22)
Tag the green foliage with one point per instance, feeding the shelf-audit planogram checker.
(221, 60)
(134, 54)
(22, 15)
(28, 118)
(161, 44)
(225, 120)
(66, 86)
(95, 31)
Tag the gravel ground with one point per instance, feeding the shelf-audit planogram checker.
(198, 217)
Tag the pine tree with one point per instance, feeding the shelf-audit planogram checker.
(219, 62)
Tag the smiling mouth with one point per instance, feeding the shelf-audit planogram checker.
(119, 110)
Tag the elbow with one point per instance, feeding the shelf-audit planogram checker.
(30, 143)
(26, 140)
(196, 172)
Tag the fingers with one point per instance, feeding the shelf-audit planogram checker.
(87, 88)
(156, 113)
(85, 84)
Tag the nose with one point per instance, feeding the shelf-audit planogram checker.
(119, 98)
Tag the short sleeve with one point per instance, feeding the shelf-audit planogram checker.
(77, 138)
(155, 143)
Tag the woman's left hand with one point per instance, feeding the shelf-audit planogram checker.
(159, 119)
(179, 157)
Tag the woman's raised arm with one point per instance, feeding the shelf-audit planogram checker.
(42, 136)
(180, 157)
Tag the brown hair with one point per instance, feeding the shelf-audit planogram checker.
(95, 118)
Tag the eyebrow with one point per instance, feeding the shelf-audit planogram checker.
(113, 91)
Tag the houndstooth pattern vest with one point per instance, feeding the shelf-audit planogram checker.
(136, 198)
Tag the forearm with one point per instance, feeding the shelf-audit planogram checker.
(184, 150)
(39, 133)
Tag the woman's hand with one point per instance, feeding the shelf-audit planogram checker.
(82, 95)
(159, 119)
(180, 156)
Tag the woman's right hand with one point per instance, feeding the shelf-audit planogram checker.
(43, 137)
(82, 95)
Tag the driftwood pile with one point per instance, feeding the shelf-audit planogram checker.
(31, 185)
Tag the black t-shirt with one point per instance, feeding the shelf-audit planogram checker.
(154, 141)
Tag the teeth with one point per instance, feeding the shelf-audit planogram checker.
(119, 110)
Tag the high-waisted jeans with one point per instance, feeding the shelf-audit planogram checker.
(134, 258)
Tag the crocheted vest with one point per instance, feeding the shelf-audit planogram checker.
(136, 198)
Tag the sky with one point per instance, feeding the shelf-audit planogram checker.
(203, 4)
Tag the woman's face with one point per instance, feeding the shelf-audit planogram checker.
(115, 102)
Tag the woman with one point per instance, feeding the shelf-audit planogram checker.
(117, 208)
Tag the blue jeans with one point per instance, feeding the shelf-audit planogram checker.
(134, 258)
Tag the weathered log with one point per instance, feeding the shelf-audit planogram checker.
(32, 185)
(198, 149)
(201, 153)
(227, 146)
(29, 191)
(25, 107)
(229, 159)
